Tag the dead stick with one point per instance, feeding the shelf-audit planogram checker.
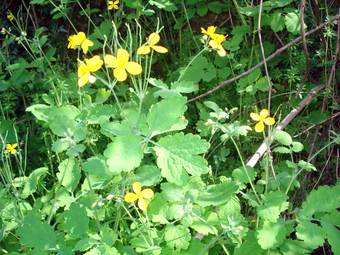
(276, 53)
(264, 146)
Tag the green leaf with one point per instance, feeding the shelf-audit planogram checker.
(148, 175)
(271, 235)
(161, 119)
(33, 180)
(306, 166)
(124, 154)
(36, 234)
(202, 9)
(241, 177)
(97, 166)
(177, 237)
(282, 150)
(69, 174)
(312, 234)
(283, 137)
(330, 224)
(75, 221)
(217, 194)
(292, 22)
(277, 23)
(249, 246)
(273, 204)
(262, 84)
(177, 155)
(297, 146)
(323, 193)
(158, 209)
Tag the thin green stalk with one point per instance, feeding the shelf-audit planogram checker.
(245, 169)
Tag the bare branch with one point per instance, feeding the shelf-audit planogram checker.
(270, 57)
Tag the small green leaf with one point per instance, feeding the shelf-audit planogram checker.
(292, 21)
(177, 237)
(124, 154)
(148, 175)
(277, 23)
(306, 166)
(217, 194)
(33, 180)
(274, 203)
(282, 150)
(283, 137)
(297, 146)
(69, 174)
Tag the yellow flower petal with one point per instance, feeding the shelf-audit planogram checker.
(264, 114)
(159, 49)
(137, 187)
(110, 61)
(254, 116)
(147, 193)
(143, 204)
(143, 50)
(259, 127)
(221, 51)
(83, 79)
(153, 39)
(210, 30)
(269, 121)
(130, 197)
(86, 44)
(82, 68)
(94, 63)
(120, 74)
(134, 68)
(122, 57)
(218, 38)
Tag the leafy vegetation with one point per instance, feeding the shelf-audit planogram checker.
(166, 127)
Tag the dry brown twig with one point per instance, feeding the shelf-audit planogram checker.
(264, 146)
(270, 57)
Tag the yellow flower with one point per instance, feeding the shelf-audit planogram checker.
(143, 196)
(216, 44)
(262, 119)
(209, 32)
(153, 39)
(10, 16)
(86, 68)
(79, 40)
(112, 5)
(11, 148)
(215, 41)
(121, 65)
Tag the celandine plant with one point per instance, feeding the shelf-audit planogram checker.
(128, 176)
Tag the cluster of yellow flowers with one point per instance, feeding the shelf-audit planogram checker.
(143, 196)
(120, 63)
(215, 40)
(262, 119)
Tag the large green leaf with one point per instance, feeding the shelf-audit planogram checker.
(217, 194)
(36, 234)
(124, 154)
(166, 115)
(271, 235)
(69, 174)
(177, 237)
(177, 155)
(75, 221)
